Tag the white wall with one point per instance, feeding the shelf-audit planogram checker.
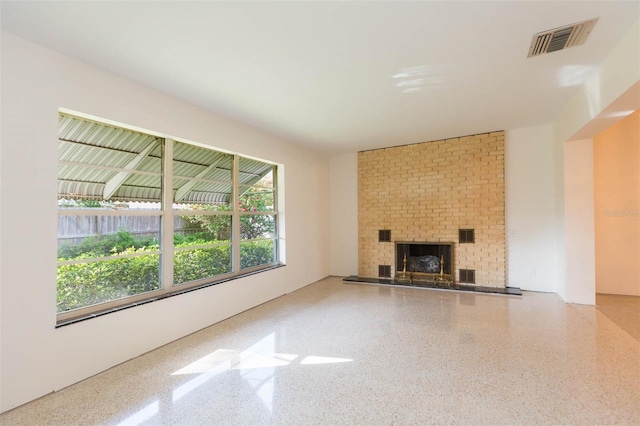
(35, 357)
(611, 89)
(580, 282)
(560, 252)
(619, 72)
(530, 196)
(344, 214)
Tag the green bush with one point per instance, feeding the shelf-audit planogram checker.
(195, 264)
(84, 284)
(256, 253)
(195, 238)
(106, 245)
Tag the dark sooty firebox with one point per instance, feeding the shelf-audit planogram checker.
(424, 261)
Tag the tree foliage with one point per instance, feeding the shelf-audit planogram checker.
(252, 225)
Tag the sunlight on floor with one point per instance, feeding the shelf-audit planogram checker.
(256, 363)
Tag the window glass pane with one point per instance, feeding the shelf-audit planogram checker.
(202, 262)
(259, 196)
(257, 201)
(84, 279)
(201, 176)
(202, 247)
(107, 163)
(256, 226)
(256, 253)
(201, 229)
(86, 284)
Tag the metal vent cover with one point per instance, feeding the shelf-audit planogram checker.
(560, 38)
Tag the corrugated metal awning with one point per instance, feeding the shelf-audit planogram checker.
(103, 162)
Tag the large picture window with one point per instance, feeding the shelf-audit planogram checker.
(141, 215)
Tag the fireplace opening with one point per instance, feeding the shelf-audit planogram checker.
(425, 261)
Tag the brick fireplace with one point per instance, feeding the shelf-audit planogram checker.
(449, 191)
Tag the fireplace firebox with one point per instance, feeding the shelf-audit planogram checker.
(430, 262)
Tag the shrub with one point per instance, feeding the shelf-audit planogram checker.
(195, 264)
(256, 253)
(84, 284)
(106, 245)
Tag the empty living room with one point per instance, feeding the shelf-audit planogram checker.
(310, 212)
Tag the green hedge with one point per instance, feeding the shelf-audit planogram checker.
(191, 265)
(85, 284)
(106, 245)
(256, 253)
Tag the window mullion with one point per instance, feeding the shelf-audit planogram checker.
(276, 210)
(166, 247)
(235, 220)
(274, 190)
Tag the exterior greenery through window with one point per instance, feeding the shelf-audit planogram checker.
(141, 215)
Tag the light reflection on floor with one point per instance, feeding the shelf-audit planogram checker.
(256, 364)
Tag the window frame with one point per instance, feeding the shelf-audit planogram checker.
(167, 213)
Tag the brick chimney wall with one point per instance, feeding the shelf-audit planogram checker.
(427, 192)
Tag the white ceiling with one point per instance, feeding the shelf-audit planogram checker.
(339, 76)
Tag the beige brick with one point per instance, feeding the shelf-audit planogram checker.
(426, 192)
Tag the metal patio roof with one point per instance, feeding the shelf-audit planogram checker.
(104, 162)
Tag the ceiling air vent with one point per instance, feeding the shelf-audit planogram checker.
(560, 38)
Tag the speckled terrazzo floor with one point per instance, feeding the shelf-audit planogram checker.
(335, 353)
(622, 310)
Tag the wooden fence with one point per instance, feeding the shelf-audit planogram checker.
(74, 229)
